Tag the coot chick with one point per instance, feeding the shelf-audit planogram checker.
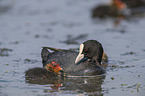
(92, 52)
(116, 9)
(52, 69)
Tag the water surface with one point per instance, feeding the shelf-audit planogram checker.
(28, 25)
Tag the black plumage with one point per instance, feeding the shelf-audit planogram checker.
(66, 59)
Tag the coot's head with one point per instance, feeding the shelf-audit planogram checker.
(90, 51)
(54, 67)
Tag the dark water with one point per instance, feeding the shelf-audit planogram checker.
(28, 25)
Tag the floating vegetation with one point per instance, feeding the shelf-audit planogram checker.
(74, 40)
(116, 30)
(4, 51)
(124, 84)
(6, 64)
(114, 66)
(16, 42)
(6, 72)
(112, 78)
(42, 36)
(126, 66)
(4, 9)
(121, 62)
(30, 61)
(129, 53)
(138, 87)
(135, 86)
(37, 36)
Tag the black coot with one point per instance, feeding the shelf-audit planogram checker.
(87, 62)
(116, 9)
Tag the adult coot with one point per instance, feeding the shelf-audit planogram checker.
(137, 7)
(87, 62)
(117, 8)
(134, 3)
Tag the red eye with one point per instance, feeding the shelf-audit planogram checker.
(86, 50)
(56, 65)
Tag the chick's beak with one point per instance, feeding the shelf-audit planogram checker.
(58, 70)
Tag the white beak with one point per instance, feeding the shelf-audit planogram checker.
(80, 55)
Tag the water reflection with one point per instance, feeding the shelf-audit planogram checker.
(90, 85)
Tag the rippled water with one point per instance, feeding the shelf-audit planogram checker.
(28, 25)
